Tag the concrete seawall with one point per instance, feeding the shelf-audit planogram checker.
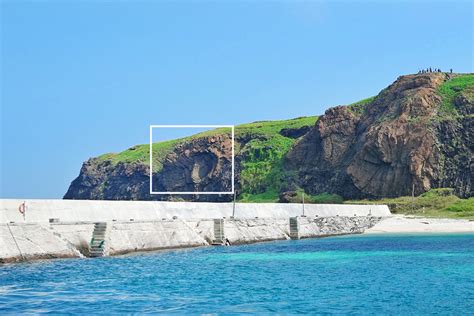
(64, 228)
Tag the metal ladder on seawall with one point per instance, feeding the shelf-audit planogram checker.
(97, 245)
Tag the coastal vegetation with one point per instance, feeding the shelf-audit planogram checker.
(439, 203)
(262, 174)
(451, 89)
(434, 203)
(270, 196)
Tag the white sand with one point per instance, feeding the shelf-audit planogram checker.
(412, 224)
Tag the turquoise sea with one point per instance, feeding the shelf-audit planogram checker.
(374, 274)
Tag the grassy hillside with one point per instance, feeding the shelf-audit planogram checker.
(261, 157)
(140, 154)
(434, 203)
(262, 174)
(449, 90)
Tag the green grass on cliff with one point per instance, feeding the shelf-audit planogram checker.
(262, 164)
(271, 128)
(358, 108)
(265, 151)
(434, 203)
(262, 172)
(450, 89)
(141, 154)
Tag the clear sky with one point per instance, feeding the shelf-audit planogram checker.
(82, 78)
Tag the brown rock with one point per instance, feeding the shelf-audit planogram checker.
(392, 147)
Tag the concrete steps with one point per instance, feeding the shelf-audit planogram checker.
(97, 244)
(219, 236)
(294, 228)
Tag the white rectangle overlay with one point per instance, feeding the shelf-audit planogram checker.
(189, 126)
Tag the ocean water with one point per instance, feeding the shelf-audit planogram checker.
(375, 274)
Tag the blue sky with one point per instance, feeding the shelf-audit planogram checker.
(82, 78)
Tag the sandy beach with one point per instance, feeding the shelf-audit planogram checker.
(413, 224)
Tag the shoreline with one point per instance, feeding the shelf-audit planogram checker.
(39, 259)
(25, 242)
(416, 224)
(31, 241)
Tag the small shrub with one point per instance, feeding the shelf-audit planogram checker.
(434, 203)
(326, 198)
(438, 192)
(462, 206)
(265, 197)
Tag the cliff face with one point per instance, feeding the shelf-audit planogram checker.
(196, 165)
(200, 165)
(415, 134)
(402, 139)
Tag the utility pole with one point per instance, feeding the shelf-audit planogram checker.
(233, 205)
(303, 203)
(413, 197)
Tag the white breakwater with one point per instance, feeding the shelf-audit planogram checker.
(64, 228)
(38, 211)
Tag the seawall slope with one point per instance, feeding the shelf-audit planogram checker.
(38, 211)
(58, 228)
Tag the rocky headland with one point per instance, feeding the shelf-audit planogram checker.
(415, 135)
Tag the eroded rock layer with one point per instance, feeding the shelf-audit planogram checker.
(402, 140)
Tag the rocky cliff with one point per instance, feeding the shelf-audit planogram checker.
(195, 165)
(416, 134)
(407, 137)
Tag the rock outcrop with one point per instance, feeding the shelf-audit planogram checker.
(400, 142)
(195, 165)
(200, 165)
(103, 180)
